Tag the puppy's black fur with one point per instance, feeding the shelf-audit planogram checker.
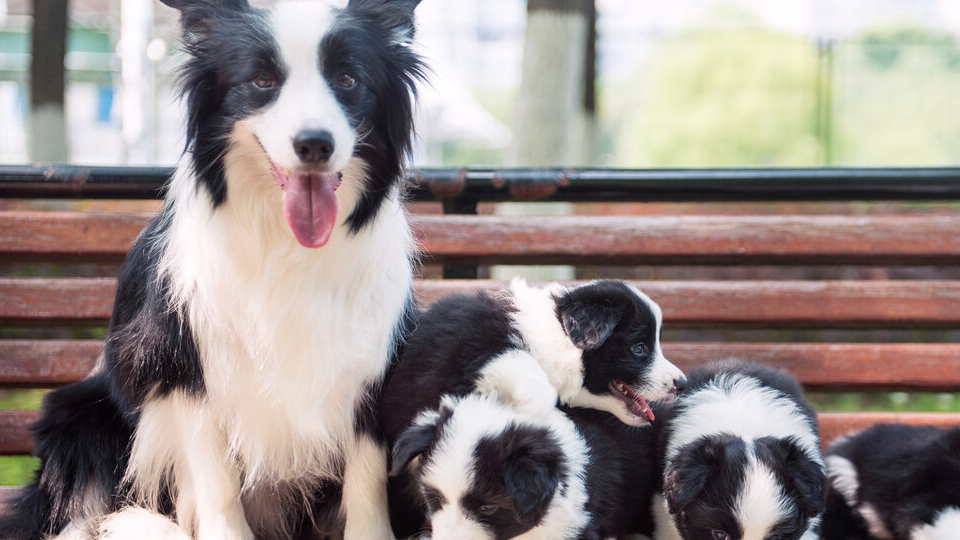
(907, 474)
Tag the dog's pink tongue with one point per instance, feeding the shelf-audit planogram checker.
(310, 204)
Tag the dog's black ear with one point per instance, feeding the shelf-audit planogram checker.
(691, 471)
(531, 483)
(806, 477)
(396, 15)
(414, 441)
(197, 16)
(532, 469)
(590, 313)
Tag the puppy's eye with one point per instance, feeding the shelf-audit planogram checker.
(639, 349)
(345, 80)
(488, 509)
(263, 80)
(719, 535)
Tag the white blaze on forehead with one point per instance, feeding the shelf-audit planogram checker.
(730, 403)
(451, 523)
(450, 469)
(761, 503)
(305, 101)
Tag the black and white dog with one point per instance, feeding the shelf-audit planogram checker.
(741, 458)
(256, 316)
(595, 346)
(489, 472)
(894, 482)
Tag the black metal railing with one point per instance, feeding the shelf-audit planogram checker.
(475, 184)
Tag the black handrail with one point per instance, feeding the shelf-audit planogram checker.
(473, 184)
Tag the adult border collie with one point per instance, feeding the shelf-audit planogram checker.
(488, 472)
(894, 482)
(256, 316)
(741, 459)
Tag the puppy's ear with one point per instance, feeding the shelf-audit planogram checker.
(691, 470)
(531, 483)
(417, 438)
(589, 315)
(807, 478)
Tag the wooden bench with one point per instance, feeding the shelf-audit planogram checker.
(461, 243)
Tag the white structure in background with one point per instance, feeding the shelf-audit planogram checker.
(448, 112)
(137, 94)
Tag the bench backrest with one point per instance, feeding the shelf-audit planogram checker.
(44, 313)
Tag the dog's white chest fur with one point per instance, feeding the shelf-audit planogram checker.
(289, 338)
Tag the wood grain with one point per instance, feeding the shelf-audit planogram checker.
(627, 240)
(822, 366)
(759, 304)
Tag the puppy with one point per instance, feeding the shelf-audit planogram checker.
(894, 482)
(595, 346)
(486, 471)
(741, 458)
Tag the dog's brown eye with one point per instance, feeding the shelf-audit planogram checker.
(719, 535)
(487, 509)
(345, 80)
(263, 80)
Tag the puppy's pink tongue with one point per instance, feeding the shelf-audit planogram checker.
(310, 204)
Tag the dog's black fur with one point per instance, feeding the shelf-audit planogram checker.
(907, 474)
(84, 436)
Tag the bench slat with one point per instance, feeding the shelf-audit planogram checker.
(884, 240)
(926, 366)
(763, 304)
(16, 439)
(46, 362)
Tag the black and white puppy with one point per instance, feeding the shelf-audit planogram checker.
(894, 482)
(257, 315)
(594, 346)
(487, 471)
(741, 459)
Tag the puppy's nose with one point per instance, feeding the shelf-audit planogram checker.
(313, 146)
(680, 384)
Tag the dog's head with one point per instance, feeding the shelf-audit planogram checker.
(302, 111)
(483, 472)
(721, 487)
(618, 328)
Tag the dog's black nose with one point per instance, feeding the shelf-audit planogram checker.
(680, 384)
(313, 146)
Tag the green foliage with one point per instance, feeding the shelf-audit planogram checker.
(724, 98)
(758, 97)
(17, 470)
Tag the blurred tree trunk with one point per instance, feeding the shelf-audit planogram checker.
(47, 136)
(549, 117)
(550, 121)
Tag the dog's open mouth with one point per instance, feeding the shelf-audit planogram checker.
(309, 203)
(636, 405)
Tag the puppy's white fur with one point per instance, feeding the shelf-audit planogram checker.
(562, 362)
(451, 469)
